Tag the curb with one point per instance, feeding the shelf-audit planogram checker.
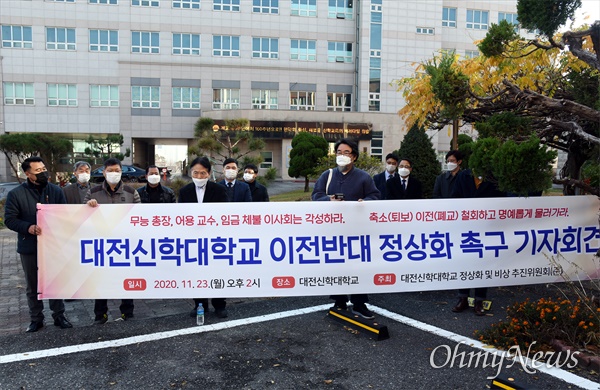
(584, 360)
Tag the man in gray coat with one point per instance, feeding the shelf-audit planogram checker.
(76, 192)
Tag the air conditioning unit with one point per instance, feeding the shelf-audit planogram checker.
(340, 15)
(339, 59)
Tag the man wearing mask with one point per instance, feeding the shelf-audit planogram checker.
(445, 181)
(76, 192)
(258, 191)
(347, 183)
(20, 216)
(237, 191)
(154, 192)
(112, 191)
(401, 186)
(391, 168)
(201, 190)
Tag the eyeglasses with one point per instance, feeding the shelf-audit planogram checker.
(404, 166)
(345, 152)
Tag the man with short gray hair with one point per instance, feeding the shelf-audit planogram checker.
(76, 192)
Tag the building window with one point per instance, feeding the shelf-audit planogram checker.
(226, 99)
(104, 2)
(337, 101)
(145, 97)
(145, 42)
(17, 37)
(63, 1)
(449, 17)
(303, 50)
(425, 30)
(477, 20)
(339, 52)
(186, 4)
(302, 100)
(62, 95)
(374, 101)
(226, 5)
(145, 3)
(471, 53)
(226, 46)
(104, 40)
(265, 6)
(188, 44)
(510, 18)
(265, 48)
(186, 98)
(19, 94)
(104, 96)
(267, 160)
(340, 9)
(377, 144)
(304, 7)
(60, 38)
(264, 99)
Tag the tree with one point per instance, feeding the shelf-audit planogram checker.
(417, 147)
(19, 146)
(550, 83)
(231, 141)
(307, 149)
(105, 147)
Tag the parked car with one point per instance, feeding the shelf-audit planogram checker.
(5, 188)
(130, 174)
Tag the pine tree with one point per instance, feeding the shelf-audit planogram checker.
(417, 147)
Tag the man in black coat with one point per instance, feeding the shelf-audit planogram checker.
(154, 192)
(258, 191)
(204, 191)
(20, 216)
(237, 191)
(391, 170)
(402, 186)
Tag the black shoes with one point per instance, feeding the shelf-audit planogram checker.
(62, 321)
(478, 307)
(363, 311)
(35, 326)
(221, 313)
(461, 305)
(340, 305)
(101, 319)
(126, 317)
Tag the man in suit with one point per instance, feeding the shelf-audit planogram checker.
(237, 191)
(258, 191)
(403, 187)
(391, 168)
(204, 191)
(76, 192)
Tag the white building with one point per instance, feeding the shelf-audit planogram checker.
(148, 69)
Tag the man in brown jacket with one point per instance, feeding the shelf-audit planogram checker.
(112, 191)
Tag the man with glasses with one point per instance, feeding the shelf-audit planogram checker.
(347, 183)
(402, 186)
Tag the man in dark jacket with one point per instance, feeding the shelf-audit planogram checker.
(20, 216)
(444, 183)
(402, 186)
(391, 170)
(154, 192)
(204, 191)
(237, 191)
(76, 192)
(258, 191)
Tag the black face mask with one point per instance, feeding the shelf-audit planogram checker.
(42, 178)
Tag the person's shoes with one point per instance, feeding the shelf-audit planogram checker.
(35, 326)
(461, 305)
(126, 316)
(101, 319)
(478, 307)
(340, 305)
(62, 321)
(362, 311)
(221, 313)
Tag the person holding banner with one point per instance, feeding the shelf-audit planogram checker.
(154, 192)
(347, 183)
(20, 216)
(76, 192)
(112, 191)
(469, 185)
(201, 190)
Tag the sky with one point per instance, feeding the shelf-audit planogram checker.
(588, 7)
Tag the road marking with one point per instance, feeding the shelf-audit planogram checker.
(554, 372)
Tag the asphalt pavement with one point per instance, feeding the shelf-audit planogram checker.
(275, 343)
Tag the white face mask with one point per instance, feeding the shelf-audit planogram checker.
(451, 166)
(113, 177)
(83, 177)
(248, 177)
(390, 168)
(153, 179)
(230, 174)
(342, 160)
(404, 172)
(200, 182)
